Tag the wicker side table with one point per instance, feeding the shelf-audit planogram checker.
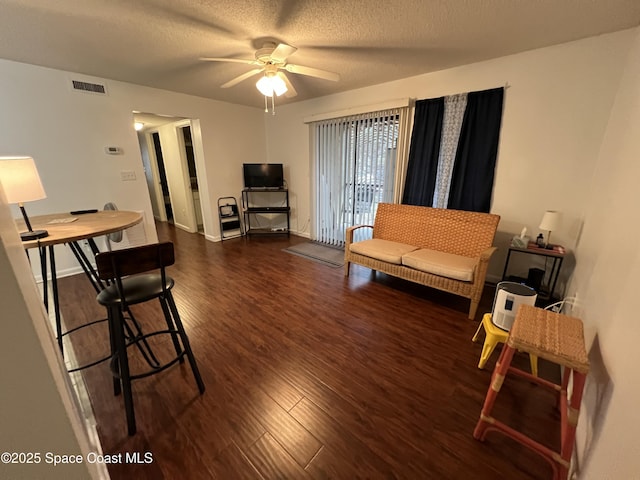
(557, 338)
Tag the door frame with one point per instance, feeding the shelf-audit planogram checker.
(180, 126)
(153, 164)
(186, 179)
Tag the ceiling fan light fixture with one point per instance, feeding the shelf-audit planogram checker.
(268, 85)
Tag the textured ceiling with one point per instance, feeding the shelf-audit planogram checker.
(159, 42)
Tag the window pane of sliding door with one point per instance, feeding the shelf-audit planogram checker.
(355, 169)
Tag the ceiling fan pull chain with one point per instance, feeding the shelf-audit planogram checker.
(266, 105)
(273, 104)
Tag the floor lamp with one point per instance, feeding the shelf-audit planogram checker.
(21, 183)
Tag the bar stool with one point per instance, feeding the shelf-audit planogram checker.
(557, 338)
(138, 275)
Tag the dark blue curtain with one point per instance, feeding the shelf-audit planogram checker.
(474, 167)
(422, 165)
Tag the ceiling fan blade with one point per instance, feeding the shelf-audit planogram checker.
(312, 72)
(291, 92)
(242, 77)
(234, 60)
(282, 51)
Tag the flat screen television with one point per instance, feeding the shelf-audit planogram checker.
(263, 175)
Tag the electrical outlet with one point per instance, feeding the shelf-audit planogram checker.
(127, 175)
(573, 306)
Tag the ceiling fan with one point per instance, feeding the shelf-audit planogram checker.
(272, 60)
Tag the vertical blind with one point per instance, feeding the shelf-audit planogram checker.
(355, 168)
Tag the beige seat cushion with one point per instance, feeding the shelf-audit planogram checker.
(383, 250)
(442, 264)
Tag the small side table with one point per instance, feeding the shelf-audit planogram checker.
(558, 258)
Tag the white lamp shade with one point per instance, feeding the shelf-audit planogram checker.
(268, 85)
(20, 179)
(550, 220)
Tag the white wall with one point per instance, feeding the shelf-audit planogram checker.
(606, 282)
(66, 132)
(556, 109)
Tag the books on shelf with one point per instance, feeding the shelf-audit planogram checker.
(554, 248)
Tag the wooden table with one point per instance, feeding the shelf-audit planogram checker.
(83, 227)
(88, 225)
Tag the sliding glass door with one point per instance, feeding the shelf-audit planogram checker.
(355, 163)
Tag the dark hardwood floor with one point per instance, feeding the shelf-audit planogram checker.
(309, 375)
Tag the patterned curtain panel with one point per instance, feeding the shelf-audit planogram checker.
(454, 107)
(454, 145)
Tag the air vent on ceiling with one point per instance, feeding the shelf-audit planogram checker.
(88, 87)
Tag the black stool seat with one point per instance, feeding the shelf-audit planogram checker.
(136, 289)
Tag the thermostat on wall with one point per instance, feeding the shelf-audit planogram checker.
(113, 150)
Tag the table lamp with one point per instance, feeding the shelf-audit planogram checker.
(21, 183)
(550, 221)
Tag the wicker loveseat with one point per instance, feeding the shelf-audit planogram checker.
(440, 248)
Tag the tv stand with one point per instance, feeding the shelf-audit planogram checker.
(260, 201)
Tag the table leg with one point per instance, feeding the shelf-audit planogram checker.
(506, 265)
(56, 301)
(45, 281)
(86, 265)
(556, 274)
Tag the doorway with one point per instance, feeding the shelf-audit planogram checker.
(173, 161)
(162, 173)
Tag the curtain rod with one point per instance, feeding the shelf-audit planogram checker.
(388, 105)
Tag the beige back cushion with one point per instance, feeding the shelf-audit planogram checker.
(444, 230)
